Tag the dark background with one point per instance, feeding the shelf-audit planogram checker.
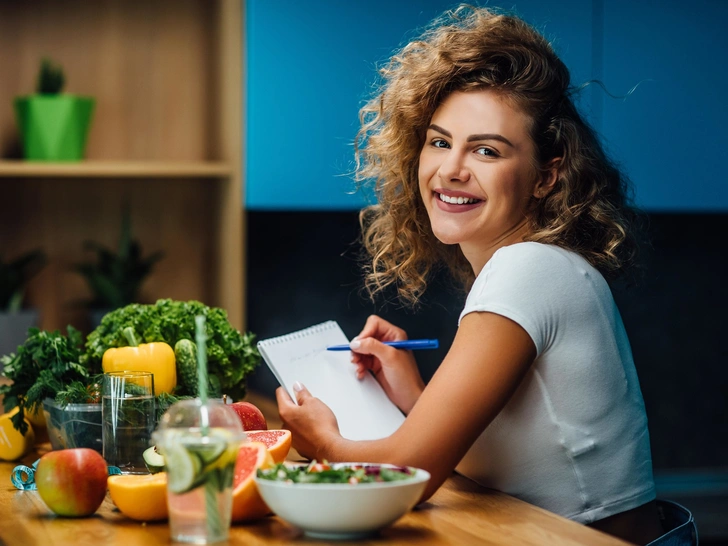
(302, 270)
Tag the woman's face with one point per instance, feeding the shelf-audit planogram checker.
(476, 172)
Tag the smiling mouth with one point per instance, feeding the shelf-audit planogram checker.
(457, 200)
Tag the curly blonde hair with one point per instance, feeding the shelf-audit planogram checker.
(477, 48)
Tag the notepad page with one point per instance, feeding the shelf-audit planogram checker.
(362, 408)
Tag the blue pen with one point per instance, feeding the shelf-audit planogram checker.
(411, 344)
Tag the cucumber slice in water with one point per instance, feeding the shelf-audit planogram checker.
(153, 460)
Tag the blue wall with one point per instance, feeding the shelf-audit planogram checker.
(310, 65)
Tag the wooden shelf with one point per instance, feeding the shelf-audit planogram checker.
(166, 140)
(115, 169)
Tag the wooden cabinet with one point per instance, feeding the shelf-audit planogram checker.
(166, 137)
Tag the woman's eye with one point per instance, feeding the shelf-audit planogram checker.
(486, 152)
(440, 143)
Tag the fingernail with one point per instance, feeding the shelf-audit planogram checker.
(297, 386)
(355, 344)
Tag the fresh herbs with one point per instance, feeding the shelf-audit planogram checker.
(81, 392)
(324, 473)
(231, 356)
(46, 364)
(164, 402)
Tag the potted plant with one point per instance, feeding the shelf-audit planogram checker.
(49, 372)
(53, 125)
(14, 319)
(116, 277)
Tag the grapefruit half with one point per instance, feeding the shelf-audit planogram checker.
(247, 503)
(278, 442)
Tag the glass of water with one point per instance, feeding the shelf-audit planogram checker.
(128, 415)
(200, 443)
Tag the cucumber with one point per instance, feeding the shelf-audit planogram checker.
(185, 354)
(153, 460)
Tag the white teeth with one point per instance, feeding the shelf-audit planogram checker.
(457, 200)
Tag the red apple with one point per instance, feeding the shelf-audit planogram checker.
(72, 482)
(250, 416)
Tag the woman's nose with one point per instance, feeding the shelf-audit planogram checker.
(453, 168)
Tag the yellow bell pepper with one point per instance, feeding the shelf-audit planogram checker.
(157, 358)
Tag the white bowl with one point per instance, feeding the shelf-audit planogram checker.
(340, 510)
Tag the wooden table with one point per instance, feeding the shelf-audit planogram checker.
(460, 513)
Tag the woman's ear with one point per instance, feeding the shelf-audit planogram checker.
(547, 178)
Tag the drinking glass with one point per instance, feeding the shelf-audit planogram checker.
(128, 415)
(200, 443)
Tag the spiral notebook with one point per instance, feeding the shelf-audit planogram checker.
(362, 409)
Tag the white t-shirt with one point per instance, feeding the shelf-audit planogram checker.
(573, 438)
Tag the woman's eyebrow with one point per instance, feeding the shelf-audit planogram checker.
(490, 136)
(474, 138)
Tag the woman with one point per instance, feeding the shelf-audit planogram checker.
(483, 164)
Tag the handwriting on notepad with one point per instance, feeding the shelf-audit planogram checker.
(303, 356)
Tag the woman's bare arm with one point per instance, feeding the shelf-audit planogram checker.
(488, 358)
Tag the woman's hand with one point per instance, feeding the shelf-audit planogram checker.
(395, 369)
(312, 424)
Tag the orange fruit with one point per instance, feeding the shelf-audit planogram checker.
(142, 497)
(278, 442)
(247, 503)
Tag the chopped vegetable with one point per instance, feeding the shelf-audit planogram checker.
(324, 473)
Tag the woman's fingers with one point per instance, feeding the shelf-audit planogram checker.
(301, 391)
(283, 398)
(379, 328)
(372, 347)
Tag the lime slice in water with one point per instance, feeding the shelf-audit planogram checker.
(209, 452)
(185, 465)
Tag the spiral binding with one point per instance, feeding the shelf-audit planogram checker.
(312, 330)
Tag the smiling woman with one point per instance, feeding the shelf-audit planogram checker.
(483, 165)
(477, 176)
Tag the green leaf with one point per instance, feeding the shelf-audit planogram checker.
(44, 365)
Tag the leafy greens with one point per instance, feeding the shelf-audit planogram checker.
(43, 366)
(231, 355)
(353, 474)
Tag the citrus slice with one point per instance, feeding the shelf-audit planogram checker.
(142, 497)
(209, 452)
(278, 442)
(247, 503)
(187, 467)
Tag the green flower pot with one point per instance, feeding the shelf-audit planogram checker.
(54, 127)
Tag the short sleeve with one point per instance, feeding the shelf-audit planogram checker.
(524, 283)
